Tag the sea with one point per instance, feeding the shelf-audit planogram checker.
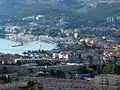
(7, 46)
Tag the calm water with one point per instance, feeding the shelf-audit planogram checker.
(6, 46)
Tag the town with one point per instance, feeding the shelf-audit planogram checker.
(86, 55)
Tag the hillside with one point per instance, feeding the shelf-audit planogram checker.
(76, 12)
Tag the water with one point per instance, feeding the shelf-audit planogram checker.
(6, 46)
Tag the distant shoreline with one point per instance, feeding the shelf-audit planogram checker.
(8, 46)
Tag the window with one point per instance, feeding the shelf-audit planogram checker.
(66, 89)
(92, 88)
(51, 88)
(75, 88)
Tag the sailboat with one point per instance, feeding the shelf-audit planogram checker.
(19, 41)
(20, 44)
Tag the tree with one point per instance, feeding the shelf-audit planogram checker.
(107, 69)
(94, 67)
(82, 70)
(35, 87)
(80, 57)
(118, 70)
(4, 70)
(30, 84)
(100, 68)
(52, 73)
(19, 63)
(114, 69)
(60, 74)
(115, 59)
(30, 70)
(8, 78)
(90, 59)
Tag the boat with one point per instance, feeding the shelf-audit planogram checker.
(21, 44)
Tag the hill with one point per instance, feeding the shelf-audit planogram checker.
(76, 12)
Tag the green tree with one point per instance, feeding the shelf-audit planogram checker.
(19, 63)
(52, 73)
(30, 84)
(90, 59)
(35, 87)
(107, 69)
(114, 69)
(60, 74)
(82, 70)
(30, 70)
(4, 70)
(94, 67)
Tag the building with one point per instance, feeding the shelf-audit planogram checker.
(100, 82)
(107, 80)
(27, 60)
(66, 84)
(111, 51)
(61, 56)
(76, 35)
(33, 61)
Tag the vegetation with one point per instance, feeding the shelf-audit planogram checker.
(106, 68)
(74, 13)
(31, 86)
(58, 74)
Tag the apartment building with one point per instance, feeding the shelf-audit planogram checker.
(100, 82)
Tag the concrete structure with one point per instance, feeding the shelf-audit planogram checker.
(108, 80)
(27, 61)
(33, 60)
(61, 56)
(101, 82)
(13, 85)
(76, 35)
(67, 84)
